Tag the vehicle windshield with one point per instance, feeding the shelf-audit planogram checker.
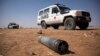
(12, 24)
(64, 9)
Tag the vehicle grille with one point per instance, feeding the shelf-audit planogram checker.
(85, 14)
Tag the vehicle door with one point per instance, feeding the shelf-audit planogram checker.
(55, 15)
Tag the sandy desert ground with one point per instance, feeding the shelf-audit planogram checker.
(24, 42)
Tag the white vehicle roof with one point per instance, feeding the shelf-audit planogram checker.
(48, 7)
(52, 6)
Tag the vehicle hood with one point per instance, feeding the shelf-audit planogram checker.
(73, 12)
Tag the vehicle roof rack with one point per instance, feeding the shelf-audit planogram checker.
(59, 4)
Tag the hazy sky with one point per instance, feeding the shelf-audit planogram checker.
(24, 12)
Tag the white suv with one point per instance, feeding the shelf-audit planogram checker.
(57, 15)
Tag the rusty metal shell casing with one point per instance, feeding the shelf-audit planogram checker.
(60, 46)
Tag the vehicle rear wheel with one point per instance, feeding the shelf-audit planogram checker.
(44, 25)
(83, 26)
(70, 23)
(55, 27)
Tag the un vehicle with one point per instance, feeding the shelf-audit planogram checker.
(59, 15)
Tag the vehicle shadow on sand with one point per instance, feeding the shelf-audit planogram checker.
(86, 29)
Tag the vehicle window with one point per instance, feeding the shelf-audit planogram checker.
(12, 24)
(46, 11)
(55, 10)
(64, 9)
(40, 13)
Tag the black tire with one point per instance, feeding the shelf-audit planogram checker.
(55, 27)
(43, 25)
(69, 23)
(83, 26)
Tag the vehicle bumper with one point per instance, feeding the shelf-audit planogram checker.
(83, 18)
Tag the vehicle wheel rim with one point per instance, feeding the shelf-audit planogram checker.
(68, 24)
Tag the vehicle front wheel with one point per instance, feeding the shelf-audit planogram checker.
(44, 25)
(70, 23)
(83, 26)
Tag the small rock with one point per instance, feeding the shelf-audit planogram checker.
(1, 55)
(49, 53)
(33, 54)
(0, 33)
(85, 35)
(40, 32)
